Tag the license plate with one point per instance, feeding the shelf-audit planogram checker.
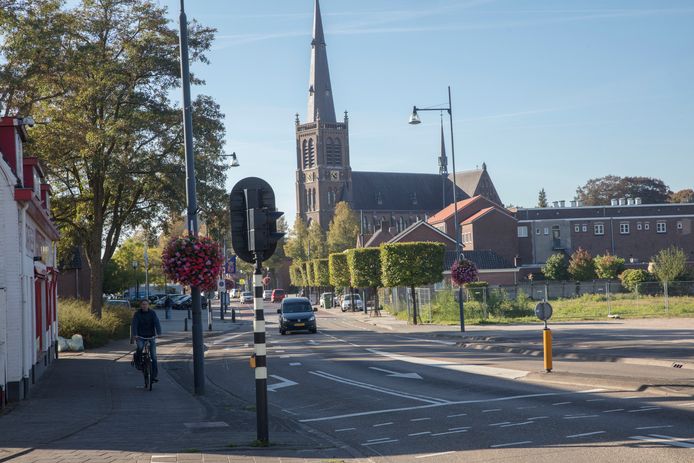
(299, 324)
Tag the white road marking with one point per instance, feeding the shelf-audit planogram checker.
(376, 440)
(449, 432)
(644, 409)
(579, 416)
(687, 405)
(420, 419)
(295, 364)
(382, 424)
(339, 379)
(500, 423)
(395, 374)
(285, 356)
(595, 400)
(491, 410)
(345, 429)
(511, 443)
(614, 410)
(284, 382)
(433, 341)
(585, 434)
(419, 433)
(461, 402)
(279, 352)
(668, 440)
(459, 427)
(631, 397)
(435, 454)
(312, 342)
(526, 408)
(229, 338)
(379, 442)
(457, 414)
(561, 403)
(655, 427)
(538, 417)
(474, 369)
(516, 424)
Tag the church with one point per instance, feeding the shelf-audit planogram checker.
(325, 177)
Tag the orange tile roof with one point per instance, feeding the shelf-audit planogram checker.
(484, 212)
(449, 210)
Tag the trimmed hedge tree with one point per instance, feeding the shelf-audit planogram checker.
(321, 272)
(339, 270)
(365, 270)
(295, 275)
(412, 264)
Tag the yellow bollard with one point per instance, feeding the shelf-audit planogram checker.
(251, 360)
(547, 344)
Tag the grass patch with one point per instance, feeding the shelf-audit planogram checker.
(75, 317)
(260, 443)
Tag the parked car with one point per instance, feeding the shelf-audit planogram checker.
(186, 302)
(234, 293)
(246, 297)
(352, 302)
(296, 314)
(277, 295)
(330, 297)
(118, 303)
(267, 294)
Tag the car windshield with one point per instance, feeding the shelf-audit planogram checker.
(247, 294)
(297, 307)
(278, 292)
(356, 297)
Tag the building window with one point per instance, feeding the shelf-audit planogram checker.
(379, 198)
(646, 226)
(522, 232)
(413, 198)
(661, 227)
(546, 230)
(599, 229)
(679, 225)
(584, 228)
(577, 228)
(537, 231)
(639, 226)
(623, 228)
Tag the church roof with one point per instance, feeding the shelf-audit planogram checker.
(395, 191)
(320, 95)
(477, 182)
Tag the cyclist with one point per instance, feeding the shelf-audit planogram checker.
(145, 324)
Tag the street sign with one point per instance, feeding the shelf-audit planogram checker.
(543, 311)
(221, 285)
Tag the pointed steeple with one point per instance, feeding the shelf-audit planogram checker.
(320, 96)
(443, 161)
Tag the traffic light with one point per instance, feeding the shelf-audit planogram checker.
(254, 220)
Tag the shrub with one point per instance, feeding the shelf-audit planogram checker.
(581, 265)
(555, 267)
(631, 278)
(475, 290)
(608, 266)
(75, 317)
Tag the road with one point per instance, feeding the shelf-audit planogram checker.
(390, 396)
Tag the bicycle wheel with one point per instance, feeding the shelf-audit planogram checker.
(147, 373)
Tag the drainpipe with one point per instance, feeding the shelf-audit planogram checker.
(22, 288)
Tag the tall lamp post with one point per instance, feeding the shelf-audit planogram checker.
(414, 120)
(224, 300)
(137, 283)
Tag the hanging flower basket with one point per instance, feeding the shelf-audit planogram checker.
(193, 261)
(463, 271)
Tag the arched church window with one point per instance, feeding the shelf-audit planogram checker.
(314, 199)
(329, 151)
(304, 153)
(311, 153)
(308, 200)
(337, 152)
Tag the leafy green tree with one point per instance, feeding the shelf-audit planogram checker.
(682, 196)
(632, 278)
(297, 242)
(104, 73)
(295, 276)
(317, 246)
(339, 270)
(365, 270)
(321, 271)
(542, 199)
(581, 265)
(343, 229)
(668, 264)
(608, 266)
(412, 264)
(556, 267)
(308, 273)
(599, 191)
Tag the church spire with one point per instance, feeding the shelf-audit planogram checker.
(320, 96)
(443, 161)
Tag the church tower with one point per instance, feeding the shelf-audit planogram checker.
(323, 174)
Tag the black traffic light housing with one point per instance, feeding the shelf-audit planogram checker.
(254, 217)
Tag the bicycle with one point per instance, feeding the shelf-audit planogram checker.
(146, 362)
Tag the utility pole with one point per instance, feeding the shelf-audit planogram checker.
(192, 209)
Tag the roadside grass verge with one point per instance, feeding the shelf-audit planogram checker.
(75, 317)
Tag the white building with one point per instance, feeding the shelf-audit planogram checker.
(28, 277)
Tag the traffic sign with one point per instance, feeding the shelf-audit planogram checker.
(543, 311)
(221, 285)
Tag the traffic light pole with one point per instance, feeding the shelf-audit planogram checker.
(260, 353)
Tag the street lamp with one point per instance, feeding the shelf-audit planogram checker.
(414, 120)
(234, 161)
(137, 283)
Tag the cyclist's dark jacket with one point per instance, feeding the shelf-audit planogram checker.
(145, 324)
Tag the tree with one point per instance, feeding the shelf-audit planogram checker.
(113, 150)
(608, 266)
(297, 241)
(599, 191)
(343, 229)
(668, 264)
(321, 270)
(542, 199)
(339, 270)
(632, 278)
(295, 276)
(365, 270)
(556, 268)
(581, 265)
(317, 247)
(412, 264)
(682, 196)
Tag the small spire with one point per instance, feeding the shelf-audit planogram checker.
(484, 166)
(443, 160)
(296, 119)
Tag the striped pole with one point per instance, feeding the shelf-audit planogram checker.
(260, 355)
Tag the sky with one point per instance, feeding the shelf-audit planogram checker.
(548, 94)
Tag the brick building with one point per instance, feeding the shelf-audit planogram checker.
(28, 276)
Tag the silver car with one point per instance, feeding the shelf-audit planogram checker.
(246, 297)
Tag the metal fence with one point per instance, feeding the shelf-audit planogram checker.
(571, 301)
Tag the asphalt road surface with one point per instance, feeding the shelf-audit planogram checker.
(403, 397)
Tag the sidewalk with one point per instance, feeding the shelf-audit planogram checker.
(92, 407)
(660, 342)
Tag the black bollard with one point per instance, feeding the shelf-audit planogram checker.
(185, 324)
